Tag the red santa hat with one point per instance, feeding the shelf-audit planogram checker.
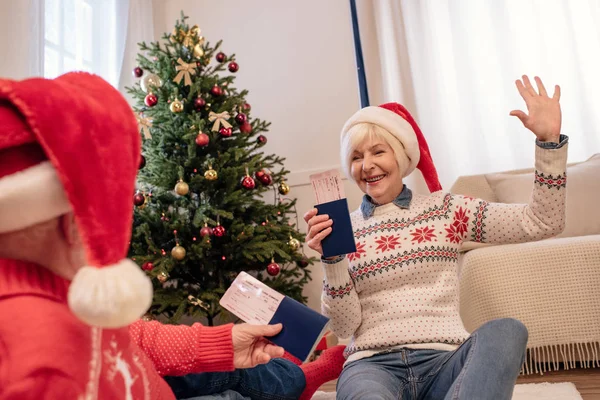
(72, 144)
(396, 119)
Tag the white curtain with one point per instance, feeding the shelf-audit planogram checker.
(137, 26)
(453, 63)
(21, 38)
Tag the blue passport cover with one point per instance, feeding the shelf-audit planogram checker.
(341, 239)
(302, 328)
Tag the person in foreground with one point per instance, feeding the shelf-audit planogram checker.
(397, 295)
(70, 301)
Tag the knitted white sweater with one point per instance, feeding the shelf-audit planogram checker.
(400, 289)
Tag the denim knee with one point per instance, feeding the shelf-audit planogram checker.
(506, 331)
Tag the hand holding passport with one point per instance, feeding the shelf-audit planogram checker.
(329, 193)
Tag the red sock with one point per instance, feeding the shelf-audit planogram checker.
(324, 369)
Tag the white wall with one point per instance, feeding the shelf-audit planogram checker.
(297, 61)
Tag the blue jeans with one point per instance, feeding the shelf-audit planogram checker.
(279, 379)
(484, 367)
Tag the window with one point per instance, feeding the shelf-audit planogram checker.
(79, 36)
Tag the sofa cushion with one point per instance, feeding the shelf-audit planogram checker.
(583, 195)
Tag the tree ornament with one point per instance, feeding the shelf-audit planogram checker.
(273, 268)
(202, 139)
(246, 128)
(220, 56)
(150, 100)
(294, 243)
(148, 266)
(248, 183)
(226, 132)
(139, 199)
(216, 91)
(199, 104)
(261, 139)
(198, 51)
(240, 118)
(246, 107)
(162, 276)
(284, 188)
(210, 174)
(178, 252)
(206, 230)
(147, 317)
(142, 162)
(149, 82)
(303, 263)
(182, 188)
(138, 72)
(233, 66)
(176, 106)
(263, 177)
(219, 231)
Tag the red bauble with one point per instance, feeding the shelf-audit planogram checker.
(248, 182)
(246, 107)
(139, 199)
(273, 269)
(202, 139)
(303, 263)
(216, 91)
(261, 139)
(241, 118)
(206, 231)
(150, 100)
(142, 162)
(138, 72)
(220, 56)
(219, 231)
(148, 266)
(233, 67)
(263, 177)
(246, 128)
(199, 103)
(225, 132)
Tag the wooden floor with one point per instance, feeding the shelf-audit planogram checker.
(587, 380)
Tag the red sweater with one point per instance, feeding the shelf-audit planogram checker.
(47, 353)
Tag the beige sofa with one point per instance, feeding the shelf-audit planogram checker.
(552, 286)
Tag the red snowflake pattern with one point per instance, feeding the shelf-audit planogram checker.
(461, 220)
(423, 235)
(454, 234)
(360, 250)
(387, 242)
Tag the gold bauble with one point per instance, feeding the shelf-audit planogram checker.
(147, 317)
(176, 106)
(211, 175)
(178, 253)
(162, 277)
(149, 82)
(284, 188)
(182, 188)
(198, 51)
(294, 244)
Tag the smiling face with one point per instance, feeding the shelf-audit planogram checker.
(374, 166)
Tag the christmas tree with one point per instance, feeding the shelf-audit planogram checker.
(210, 203)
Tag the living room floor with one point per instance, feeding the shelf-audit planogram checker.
(587, 380)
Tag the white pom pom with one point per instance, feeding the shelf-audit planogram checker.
(112, 296)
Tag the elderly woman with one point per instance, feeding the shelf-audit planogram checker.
(397, 295)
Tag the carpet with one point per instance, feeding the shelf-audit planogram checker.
(528, 391)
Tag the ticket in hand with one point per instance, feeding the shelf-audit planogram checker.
(327, 186)
(256, 303)
(331, 200)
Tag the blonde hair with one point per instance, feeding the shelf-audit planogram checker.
(363, 132)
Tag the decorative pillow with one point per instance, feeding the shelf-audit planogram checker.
(583, 195)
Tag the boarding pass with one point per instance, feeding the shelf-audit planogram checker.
(327, 186)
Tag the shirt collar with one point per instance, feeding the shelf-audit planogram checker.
(403, 200)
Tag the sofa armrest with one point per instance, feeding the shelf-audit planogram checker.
(552, 286)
